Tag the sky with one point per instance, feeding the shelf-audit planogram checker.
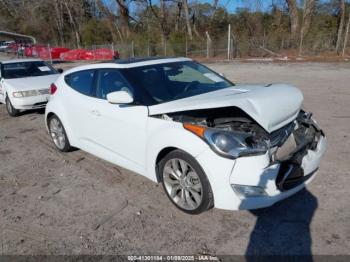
(230, 5)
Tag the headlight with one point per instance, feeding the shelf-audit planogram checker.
(229, 144)
(17, 94)
(26, 93)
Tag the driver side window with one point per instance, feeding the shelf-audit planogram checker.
(111, 80)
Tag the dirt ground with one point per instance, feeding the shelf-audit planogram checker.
(74, 203)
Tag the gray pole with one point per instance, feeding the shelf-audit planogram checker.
(228, 42)
(132, 49)
(49, 49)
(207, 44)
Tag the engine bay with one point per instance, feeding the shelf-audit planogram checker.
(292, 140)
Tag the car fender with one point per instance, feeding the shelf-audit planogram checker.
(6, 89)
(170, 136)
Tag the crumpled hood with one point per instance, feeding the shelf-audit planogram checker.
(271, 106)
(31, 83)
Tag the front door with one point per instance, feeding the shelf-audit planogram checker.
(121, 129)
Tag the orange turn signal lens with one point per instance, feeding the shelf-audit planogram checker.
(198, 130)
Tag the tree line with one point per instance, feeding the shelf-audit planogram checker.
(295, 26)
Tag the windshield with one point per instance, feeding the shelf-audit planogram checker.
(26, 69)
(172, 81)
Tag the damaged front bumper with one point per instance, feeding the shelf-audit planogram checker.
(278, 174)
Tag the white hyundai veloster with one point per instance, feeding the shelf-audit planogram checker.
(211, 143)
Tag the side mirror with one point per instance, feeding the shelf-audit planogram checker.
(60, 70)
(120, 97)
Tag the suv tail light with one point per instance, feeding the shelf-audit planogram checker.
(53, 89)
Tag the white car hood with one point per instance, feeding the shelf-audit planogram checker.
(31, 83)
(272, 106)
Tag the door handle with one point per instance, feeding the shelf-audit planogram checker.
(95, 112)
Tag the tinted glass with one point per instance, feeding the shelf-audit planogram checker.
(111, 80)
(26, 69)
(81, 81)
(172, 81)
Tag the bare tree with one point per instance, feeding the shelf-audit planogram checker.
(294, 18)
(178, 15)
(124, 18)
(306, 22)
(10, 10)
(187, 17)
(164, 24)
(113, 28)
(215, 7)
(73, 23)
(341, 24)
(346, 35)
(162, 20)
(59, 19)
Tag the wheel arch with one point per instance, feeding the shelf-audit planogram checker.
(64, 123)
(166, 140)
(160, 156)
(48, 116)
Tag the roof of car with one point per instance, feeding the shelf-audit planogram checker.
(143, 61)
(129, 63)
(20, 60)
(140, 59)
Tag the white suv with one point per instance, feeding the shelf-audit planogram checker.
(208, 141)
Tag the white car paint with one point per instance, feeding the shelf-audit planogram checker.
(130, 137)
(41, 83)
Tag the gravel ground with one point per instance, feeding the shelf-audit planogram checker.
(74, 203)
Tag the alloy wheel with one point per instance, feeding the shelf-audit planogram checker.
(57, 133)
(182, 184)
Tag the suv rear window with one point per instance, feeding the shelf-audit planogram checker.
(81, 81)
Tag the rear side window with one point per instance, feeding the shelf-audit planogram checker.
(81, 81)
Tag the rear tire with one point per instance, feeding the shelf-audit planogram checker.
(10, 109)
(185, 182)
(58, 134)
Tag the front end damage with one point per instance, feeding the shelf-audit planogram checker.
(292, 156)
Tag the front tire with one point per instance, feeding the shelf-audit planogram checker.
(185, 182)
(58, 134)
(10, 109)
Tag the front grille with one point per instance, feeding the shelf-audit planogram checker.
(40, 104)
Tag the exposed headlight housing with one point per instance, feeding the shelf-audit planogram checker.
(230, 144)
(248, 191)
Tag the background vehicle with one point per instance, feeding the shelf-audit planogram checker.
(210, 142)
(24, 84)
(4, 45)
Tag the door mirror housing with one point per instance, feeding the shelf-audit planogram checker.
(60, 70)
(120, 97)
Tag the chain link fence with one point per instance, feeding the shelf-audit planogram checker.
(225, 48)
